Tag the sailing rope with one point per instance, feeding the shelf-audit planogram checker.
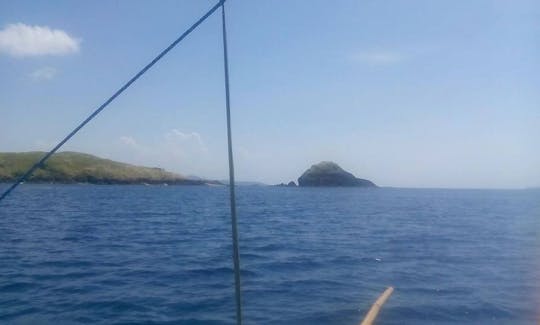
(236, 255)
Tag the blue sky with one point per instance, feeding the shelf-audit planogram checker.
(404, 93)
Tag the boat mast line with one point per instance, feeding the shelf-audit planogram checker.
(236, 254)
(40, 163)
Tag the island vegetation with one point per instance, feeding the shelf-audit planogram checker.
(329, 173)
(75, 167)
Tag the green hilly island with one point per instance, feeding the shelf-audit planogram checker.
(75, 167)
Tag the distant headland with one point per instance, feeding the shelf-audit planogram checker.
(329, 174)
(75, 167)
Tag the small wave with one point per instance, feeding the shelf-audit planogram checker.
(116, 306)
(18, 287)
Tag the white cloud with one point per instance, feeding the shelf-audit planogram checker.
(45, 73)
(179, 138)
(127, 140)
(20, 40)
(175, 150)
(377, 57)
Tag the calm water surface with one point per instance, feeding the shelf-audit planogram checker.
(150, 254)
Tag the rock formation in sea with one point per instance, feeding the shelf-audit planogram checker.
(328, 173)
(290, 184)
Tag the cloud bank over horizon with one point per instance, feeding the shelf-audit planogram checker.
(174, 150)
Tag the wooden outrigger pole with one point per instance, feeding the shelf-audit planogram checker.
(374, 310)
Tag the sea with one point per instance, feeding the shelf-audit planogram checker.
(129, 254)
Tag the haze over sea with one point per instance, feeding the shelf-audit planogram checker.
(151, 254)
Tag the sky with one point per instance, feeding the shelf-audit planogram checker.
(404, 93)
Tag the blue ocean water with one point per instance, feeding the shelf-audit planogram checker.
(162, 255)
